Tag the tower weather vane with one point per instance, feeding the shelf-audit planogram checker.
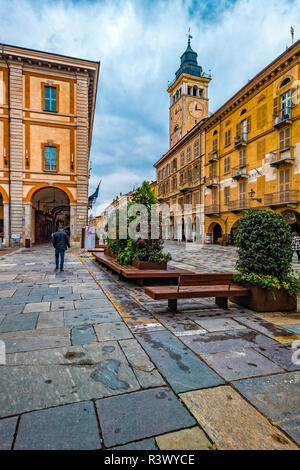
(189, 36)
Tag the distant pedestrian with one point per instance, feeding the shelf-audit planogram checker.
(296, 244)
(61, 243)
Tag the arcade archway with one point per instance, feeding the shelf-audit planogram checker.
(215, 232)
(50, 209)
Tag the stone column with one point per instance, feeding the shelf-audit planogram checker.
(16, 147)
(6, 223)
(73, 218)
(28, 220)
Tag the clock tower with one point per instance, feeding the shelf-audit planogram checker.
(188, 95)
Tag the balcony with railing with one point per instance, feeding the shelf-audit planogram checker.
(282, 198)
(240, 141)
(239, 205)
(213, 156)
(282, 117)
(282, 156)
(240, 171)
(213, 209)
(211, 182)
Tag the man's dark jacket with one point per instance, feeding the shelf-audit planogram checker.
(60, 240)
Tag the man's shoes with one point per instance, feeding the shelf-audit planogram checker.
(56, 269)
(61, 270)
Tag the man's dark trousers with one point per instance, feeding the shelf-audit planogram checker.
(62, 258)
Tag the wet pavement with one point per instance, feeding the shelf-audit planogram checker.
(94, 363)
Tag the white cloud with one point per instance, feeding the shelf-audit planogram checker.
(139, 44)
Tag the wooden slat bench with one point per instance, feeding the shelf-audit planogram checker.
(171, 274)
(192, 286)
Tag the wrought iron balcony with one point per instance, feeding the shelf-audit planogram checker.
(282, 117)
(282, 198)
(213, 156)
(213, 209)
(239, 205)
(282, 156)
(212, 182)
(240, 141)
(239, 172)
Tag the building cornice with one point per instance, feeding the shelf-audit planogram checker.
(257, 84)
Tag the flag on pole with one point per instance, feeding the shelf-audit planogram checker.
(93, 198)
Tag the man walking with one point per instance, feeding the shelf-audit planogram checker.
(61, 243)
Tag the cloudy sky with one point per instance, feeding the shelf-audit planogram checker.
(139, 44)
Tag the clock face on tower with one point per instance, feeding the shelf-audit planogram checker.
(195, 109)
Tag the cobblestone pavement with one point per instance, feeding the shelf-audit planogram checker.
(93, 363)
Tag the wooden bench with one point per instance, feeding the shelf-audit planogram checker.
(171, 274)
(192, 286)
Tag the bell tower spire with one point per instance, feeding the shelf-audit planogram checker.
(188, 94)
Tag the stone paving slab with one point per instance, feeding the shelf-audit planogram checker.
(186, 439)
(83, 335)
(18, 322)
(179, 325)
(145, 444)
(279, 318)
(62, 305)
(235, 365)
(12, 308)
(7, 430)
(136, 356)
(89, 317)
(293, 329)
(61, 297)
(182, 369)
(88, 295)
(219, 324)
(24, 292)
(226, 341)
(36, 339)
(37, 307)
(61, 384)
(140, 415)
(112, 331)
(266, 328)
(292, 428)
(20, 300)
(277, 396)
(149, 379)
(93, 303)
(281, 354)
(236, 425)
(6, 293)
(69, 427)
(2, 316)
(50, 320)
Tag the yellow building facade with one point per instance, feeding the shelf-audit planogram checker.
(252, 150)
(47, 104)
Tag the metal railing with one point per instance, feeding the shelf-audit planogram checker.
(239, 205)
(239, 171)
(212, 181)
(212, 209)
(240, 140)
(283, 197)
(280, 117)
(282, 155)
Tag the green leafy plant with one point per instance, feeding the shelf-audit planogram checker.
(265, 252)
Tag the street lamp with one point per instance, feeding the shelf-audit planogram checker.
(252, 194)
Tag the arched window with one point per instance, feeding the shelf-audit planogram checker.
(195, 91)
(215, 133)
(175, 128)
(243, 112)
(285, 82)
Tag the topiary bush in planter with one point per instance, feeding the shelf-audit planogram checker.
(144, 248)
(265, 260)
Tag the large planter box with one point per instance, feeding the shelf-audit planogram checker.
(109, 253)
(148, 265)
(261, 300)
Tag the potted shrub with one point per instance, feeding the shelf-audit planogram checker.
(265, 262)
(145, 252)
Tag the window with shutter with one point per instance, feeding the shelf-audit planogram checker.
(275, 107)
(226, 195)
(284, 139)
(215, 145)
(242, 190)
